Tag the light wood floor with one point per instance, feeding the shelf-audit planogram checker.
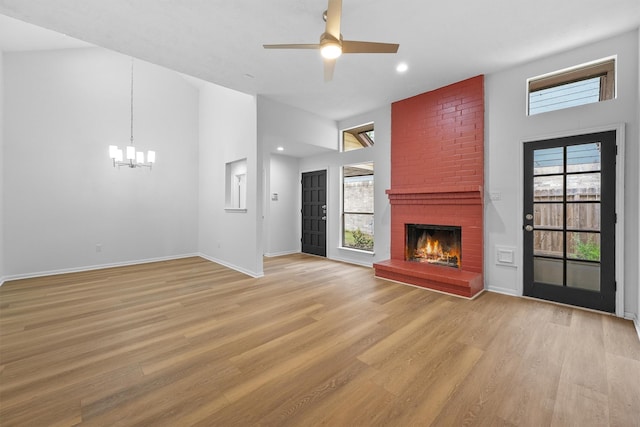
(189, 342)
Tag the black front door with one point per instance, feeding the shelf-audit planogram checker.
(569, 220)
(314, 213)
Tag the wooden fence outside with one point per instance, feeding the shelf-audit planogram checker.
(580, 216)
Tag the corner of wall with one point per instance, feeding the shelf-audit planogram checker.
(228, 132)
(2, 275)
(637, 322)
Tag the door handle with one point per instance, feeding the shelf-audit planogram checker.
(324, 218)
(528, 227)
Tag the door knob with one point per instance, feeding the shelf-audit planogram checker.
(529, 217)
(528, 227)
(324, 218)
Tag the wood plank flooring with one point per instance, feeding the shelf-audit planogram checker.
(314, 342)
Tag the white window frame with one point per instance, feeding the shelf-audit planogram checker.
(343, 213)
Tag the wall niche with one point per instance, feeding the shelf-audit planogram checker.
(236, 186)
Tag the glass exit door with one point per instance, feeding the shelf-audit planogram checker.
(569, 220)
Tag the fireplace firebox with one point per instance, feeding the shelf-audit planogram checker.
(434, 244)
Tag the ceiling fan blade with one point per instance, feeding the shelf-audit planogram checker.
(334, 12)
(291, 46)
(329, 66)
(349, 46)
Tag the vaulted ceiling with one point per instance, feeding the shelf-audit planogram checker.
(221, 41)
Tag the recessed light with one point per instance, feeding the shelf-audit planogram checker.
(402, 67)
(280, 148)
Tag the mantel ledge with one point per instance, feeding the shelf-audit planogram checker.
(451, 191)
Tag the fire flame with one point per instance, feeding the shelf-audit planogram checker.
(430, 250)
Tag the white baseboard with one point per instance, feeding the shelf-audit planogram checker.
(275, 254)
(233, 267)
(94, 267)
(504, 291)
(635, 320)
(127, 263)
(351, 261)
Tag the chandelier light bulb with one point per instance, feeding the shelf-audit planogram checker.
(131, 152)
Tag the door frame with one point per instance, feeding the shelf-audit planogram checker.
(619, 128)
(328, 221)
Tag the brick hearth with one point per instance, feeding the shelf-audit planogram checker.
(437, 170)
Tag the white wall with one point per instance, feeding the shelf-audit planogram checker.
(380, 154)
(638, 165)
(282, 215)
(2, 169)
(507, 126)
(288, 126)
(62, 194)
(228, 132)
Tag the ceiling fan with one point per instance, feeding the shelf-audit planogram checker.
(331, 44)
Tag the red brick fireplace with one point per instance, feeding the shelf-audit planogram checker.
(437, 177)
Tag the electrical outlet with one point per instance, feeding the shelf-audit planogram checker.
(98, 247)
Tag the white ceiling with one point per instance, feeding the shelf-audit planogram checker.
(16, 36)
(221, 41)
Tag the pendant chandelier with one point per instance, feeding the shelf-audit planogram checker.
(134, 159)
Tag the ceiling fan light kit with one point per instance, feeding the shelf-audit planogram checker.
(330, 48)
(331, 45)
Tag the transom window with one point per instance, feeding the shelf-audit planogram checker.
(358, 137)
(585, 84)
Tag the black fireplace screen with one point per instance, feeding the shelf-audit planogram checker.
(433, 244)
